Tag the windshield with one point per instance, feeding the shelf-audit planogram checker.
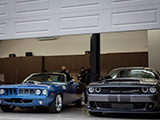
(45, 78)
(133, 73)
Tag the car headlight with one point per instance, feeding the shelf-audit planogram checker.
(145, 90)
(98, 90)
(44, 92)
(153, 89)
(2, 91)
(38, 92)
(91, 89)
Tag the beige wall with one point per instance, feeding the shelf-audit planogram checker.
(154, 48)
(75, 45)
(124, 42)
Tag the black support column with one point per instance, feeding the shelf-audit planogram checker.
(95, 57)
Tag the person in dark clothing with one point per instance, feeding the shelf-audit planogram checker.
(68, 75)
(63, 69)
(66, 72)
(82, 74)
(87, 77)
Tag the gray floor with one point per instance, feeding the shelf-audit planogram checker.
(69, 113)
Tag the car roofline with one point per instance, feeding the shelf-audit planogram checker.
(133, 68)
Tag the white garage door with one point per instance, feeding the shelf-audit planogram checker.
(40, 18)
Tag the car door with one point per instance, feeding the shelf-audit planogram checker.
(72, 90)
(76, 89)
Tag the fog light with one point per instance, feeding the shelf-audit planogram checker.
(150, 106)
(40, 102)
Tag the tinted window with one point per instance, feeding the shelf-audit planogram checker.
(134, 73)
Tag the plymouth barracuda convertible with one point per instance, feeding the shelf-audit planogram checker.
(49, 90)
(127, 90)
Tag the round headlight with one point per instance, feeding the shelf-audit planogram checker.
(145, 90)
(2, 91)
(44, 92)
(91, 89)
(38, 92)
(98, 90)
(153, 89)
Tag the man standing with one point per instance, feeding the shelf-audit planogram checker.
(66, 72)
(82, 74)
(63, 69)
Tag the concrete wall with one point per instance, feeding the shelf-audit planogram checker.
(76, 45)
(154, 48)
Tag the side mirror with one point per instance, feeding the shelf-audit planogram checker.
(70, 82)
(105, 77)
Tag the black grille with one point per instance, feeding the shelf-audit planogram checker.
(16, 91)
(20, 91)
(26, 91)
(109, 105)
(17, 100)
(11, 91)
(121, 90)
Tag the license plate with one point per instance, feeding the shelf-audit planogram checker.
(121, 106)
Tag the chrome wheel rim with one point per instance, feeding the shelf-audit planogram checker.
(82, 99)
(58, 103)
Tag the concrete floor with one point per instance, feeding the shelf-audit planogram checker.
(70, 113)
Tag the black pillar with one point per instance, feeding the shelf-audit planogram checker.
(95, 57)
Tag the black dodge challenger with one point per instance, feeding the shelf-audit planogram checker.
(127, 90)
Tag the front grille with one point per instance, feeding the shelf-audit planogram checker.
(121, 90)
(26, 91)
(11, 91)
(108, 105)
(16, 91)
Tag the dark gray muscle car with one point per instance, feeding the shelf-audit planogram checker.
(128, 90)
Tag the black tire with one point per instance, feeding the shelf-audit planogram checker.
(81, 101)
(56, 105)
(95, 113)
(7, 108)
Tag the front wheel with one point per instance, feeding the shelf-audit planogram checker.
(56, 105)
(81, 101)
(95, 113)
(7, 108)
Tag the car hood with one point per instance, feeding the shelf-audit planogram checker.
(127, 81)
(24, 85)
(32, 85)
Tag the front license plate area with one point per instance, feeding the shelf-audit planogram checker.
(121, 106)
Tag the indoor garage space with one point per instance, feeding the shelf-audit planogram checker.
(72, 60)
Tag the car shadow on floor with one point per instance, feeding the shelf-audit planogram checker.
(131, 116)
(71, 109)
(43, 110)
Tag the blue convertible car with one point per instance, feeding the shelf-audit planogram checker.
(49, 90)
